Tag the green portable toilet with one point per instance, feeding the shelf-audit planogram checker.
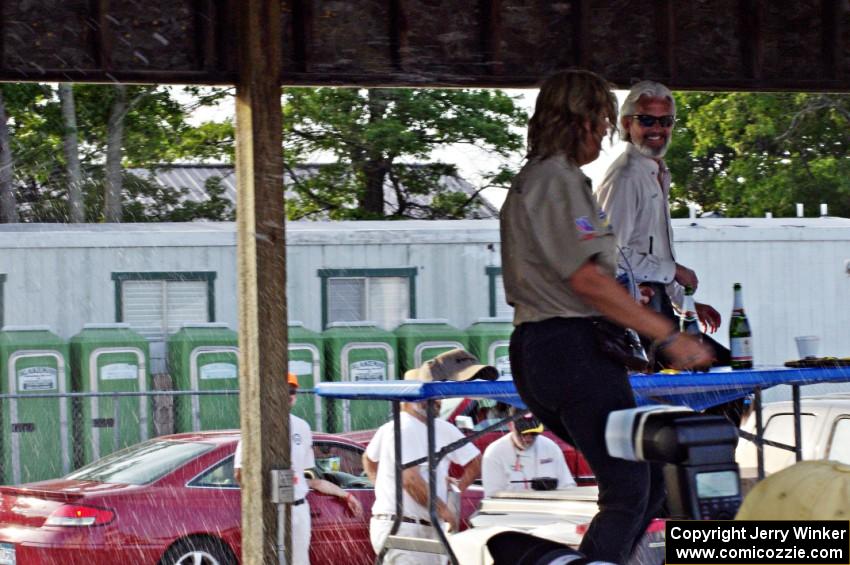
(422, 339)
(110, 358)
(203, 357)
(305, 360)
(359, 352)
(35, 432)
(489, 339)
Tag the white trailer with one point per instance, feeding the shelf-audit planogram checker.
(795, 274)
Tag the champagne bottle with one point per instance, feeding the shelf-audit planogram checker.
(688, 322)
(740, 336)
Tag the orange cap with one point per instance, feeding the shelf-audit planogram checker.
(292, 379)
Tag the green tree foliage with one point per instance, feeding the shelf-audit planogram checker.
(745, 154)
(156, 132)
(372, 137)
(375, 136)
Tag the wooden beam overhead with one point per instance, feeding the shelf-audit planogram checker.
(749, 30)
(665, 23)
(300, 24)
(696, 44)
(582, 46)
(831, 51)
(491, 36)
(101, 40)
(206, 36)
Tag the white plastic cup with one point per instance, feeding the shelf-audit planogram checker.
(807, 346)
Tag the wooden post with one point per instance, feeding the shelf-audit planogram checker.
(264, 398)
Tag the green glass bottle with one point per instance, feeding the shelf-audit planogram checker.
(688, 322)
(740, 336)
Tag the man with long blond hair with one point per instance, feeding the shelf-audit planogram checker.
(558, 263)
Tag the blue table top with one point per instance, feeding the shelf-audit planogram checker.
(698, 390)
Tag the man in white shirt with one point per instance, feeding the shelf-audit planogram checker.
(634, 197)
(380, 465)
(302, 459)
(523, 454)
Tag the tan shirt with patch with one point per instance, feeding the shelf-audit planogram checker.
(634, 195)
(550, 226)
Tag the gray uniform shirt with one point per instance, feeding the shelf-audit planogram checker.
(634, 195)
(550, 226)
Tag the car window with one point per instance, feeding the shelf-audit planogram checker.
(449, 405)
(334, 457)
(839, 445)
(487, 422)
(142, 463)
(341, 464)
(780, 428)
(479, 409)
(218, 476)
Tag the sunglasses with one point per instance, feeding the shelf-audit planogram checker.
(647, 121)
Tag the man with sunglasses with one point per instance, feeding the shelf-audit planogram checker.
(634, 197)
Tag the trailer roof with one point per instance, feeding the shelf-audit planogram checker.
(422, 232)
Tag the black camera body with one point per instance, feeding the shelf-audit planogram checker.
(703, 482)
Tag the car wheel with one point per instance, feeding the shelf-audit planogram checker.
(198, 551)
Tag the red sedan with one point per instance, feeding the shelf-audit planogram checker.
(171, 500)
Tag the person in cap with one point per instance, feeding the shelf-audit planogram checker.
(380, 465)
(301, 456)
(521, 455)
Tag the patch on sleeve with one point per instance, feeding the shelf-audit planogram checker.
(604, 222)
(585, 228)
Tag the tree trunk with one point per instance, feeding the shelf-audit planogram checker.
(373, 198)
(375, 167)
(114, 152)
(76, 209)
(8, 206)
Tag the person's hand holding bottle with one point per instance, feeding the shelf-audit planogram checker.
(684, 351)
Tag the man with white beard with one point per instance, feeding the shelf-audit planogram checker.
(634, 197)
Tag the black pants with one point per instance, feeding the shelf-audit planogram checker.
(565, 381)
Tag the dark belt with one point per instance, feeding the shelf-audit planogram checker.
(299, 502)
(403, 519)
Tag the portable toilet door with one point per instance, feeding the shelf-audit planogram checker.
(111, 358)
(366, 362)
(421, 339)
(305, 361)
(359, 352)
(209, 364)
(490, 340)
(205, 358)
(36, 442)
